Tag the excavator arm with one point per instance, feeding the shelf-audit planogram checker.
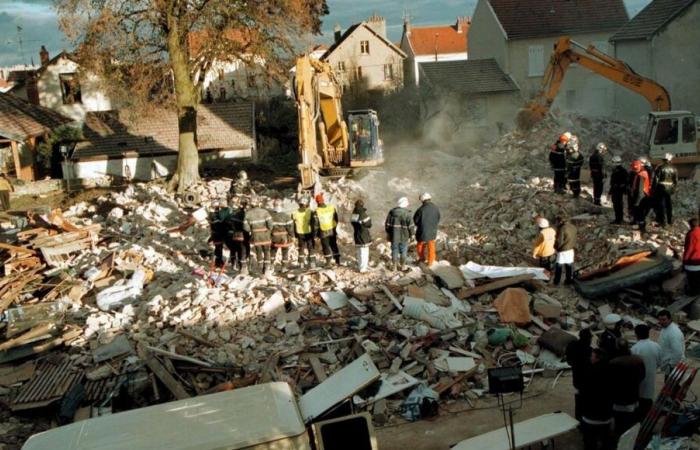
(567, 52)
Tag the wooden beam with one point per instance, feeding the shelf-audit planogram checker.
(498, 284)
(16, 249)
(162, 373)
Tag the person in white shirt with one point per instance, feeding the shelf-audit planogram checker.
(650, 352)
(671, 341)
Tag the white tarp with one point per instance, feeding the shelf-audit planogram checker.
(472, 271)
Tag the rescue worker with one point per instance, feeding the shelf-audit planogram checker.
(304, 231)
(578, 356)
(613, 331)
(626, 373)
(361, 223)
(564, 245)
(543, 249)
(596, 164)
(574, 161)
(641, 194)
(691, 257)
(597, 404)
(618, 188)
(241, 238)
(258, 222)
(241, 186)
(426, 220)
(663, 187)
(282, 232)
(557, 160)
(326, 219)
(399, 229)
(5, 189)
(220, 225)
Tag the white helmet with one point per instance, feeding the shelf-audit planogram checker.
(668, 156)
(402, 203)
(542, 222)
(242, 175)
(601, 147)
(616, 159)
(425, 196)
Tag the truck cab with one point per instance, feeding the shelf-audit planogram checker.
(674, 132)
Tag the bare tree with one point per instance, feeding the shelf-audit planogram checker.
(159, 51)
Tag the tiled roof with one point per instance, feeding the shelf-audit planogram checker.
(351, 30)
(20, 119)
(523, 19)
(226, 125)
(439, 39)
(473, 76)
(651, 19)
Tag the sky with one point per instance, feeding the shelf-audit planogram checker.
(37, 20)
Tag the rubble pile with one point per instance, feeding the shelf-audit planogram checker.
(122, 293)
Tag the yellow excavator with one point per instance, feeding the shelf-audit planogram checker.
(667, 131)
(327, 146)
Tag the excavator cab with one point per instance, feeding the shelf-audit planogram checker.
(674, 132)
(365, 145)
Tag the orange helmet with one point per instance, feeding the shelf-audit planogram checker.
(319, 198)
(636, 165)
(564, 138)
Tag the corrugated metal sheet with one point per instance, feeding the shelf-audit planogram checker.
(51, 380)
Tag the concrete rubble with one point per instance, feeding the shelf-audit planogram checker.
(135, 294)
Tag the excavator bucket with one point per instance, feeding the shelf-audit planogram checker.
(530, 115)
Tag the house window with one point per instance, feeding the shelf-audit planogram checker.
(341, 66)
(358, 73)
(535, 61)
(221, 74)
(251, 81)
(70, 88)
(364, 47)
(388, 72)
(688, 130)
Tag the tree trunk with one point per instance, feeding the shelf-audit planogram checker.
(187, 173)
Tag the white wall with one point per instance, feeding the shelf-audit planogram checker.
(487, 39)
(233, 77)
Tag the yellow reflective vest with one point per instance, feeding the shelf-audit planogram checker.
(302, 221)
(326, 217)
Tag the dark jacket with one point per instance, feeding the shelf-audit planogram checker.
(665, 178)
(258, 222)
(626, 374)
(574, 161)
(426, 220)
(578, 356)
(619, 181)
(596, 163)
(557, 157)
(361, 223)
(238, 225)
(566, 237)
(608, 342)
(596, 393)
(240, 188)
(220, 224)
(399, 225)
(282, 229)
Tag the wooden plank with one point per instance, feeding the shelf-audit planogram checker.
(317, 367)
(681, 303)
(393, 299)
(162, 373)
(498, 284)
(16, 249)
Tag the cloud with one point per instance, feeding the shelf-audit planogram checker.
(39, 26)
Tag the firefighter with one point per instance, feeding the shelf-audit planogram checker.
(304, 231)
(641, 194)
(220, 225)
(574, 161)
(258, 222)
(241, 186)
(399, 229)
(241, 238)
(596, 163)
(326, 219)
(557, 160)
(282, 232)
(663, 187)
(618, 189)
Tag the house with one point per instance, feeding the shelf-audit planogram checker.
(520, 36)
(662, 43)
(474, 97)
(364, 59)
(434, 43)
(127, 144)
(22, 127)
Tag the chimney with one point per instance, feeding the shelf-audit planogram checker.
(43, 56)
(378, 24)
(337, 32)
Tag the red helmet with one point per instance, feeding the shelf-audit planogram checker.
(319, 198)
(636, 165)
(564, 138)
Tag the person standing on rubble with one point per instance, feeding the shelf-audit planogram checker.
(5, 189)
(671, 341)
(557, 160)
(326, 218)
(241, 186)
(691, 257)
(640, 195)
(663, 187)
(612, 332)
(597, 404)
(618, 188)
(650, 352)
(221, 233)
(564, 245)
(399, 229)
(258, 222)
(361, 223)
(304, 231)
(543, 249)
(241, 238)
(578, 356)
(574, 162)
(596, 164)
(626, 373)
(426, 219)
(282, 232)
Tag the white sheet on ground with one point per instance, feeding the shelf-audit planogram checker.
(472, 270)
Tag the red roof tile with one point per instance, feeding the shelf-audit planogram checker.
(439, 39)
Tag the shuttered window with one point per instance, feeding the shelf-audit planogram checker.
(535, 61)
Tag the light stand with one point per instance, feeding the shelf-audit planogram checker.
(507, 380)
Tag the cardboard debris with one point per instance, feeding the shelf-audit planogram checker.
(513, 306)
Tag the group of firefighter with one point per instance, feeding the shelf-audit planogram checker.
(646, 187)
(244, 226)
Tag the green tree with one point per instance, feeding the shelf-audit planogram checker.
(158, 52)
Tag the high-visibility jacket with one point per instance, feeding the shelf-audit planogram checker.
(327, 219)
(302, 221)
(641, 187)
(544, 245)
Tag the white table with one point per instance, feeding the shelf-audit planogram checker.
(529, 432)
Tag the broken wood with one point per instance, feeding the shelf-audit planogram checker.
(162, 373)
(197, 339)
(34, 333)
(16, 249)
(172, 355)
(498, 284)
(317, 367)
(393, 299)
